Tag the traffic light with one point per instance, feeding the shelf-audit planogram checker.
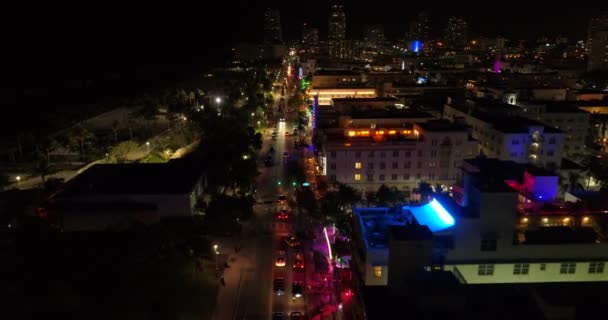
(279, 183)
(293, 183)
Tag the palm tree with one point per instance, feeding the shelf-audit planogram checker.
(42, 167)
(115, 127)
(82, 134)
(47, 146)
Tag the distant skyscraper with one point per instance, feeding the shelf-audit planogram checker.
(310, 38)
(373, 35)
(272, 27)
(597, 42)
(420, 28)
(339, 47)
(456, 33)
(337, 23)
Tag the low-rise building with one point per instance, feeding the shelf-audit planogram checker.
(504, 134)
(506, 227)
(327, 78)
(115, 195)
(398, 152)
(563, 116)
(325, 95)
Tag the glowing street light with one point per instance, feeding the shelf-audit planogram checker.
(217, 253)
(148, 146)
(18, 178)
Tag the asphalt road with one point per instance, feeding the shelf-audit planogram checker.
(254, 297)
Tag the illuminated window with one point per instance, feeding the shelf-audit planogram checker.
(485, 269)
(596, 267)
(378, 271)
(567, 268)
(357, 165)
(521, 268)
(357, 177)
(351, 133)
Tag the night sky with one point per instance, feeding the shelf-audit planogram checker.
(156, 33)
(57, 43)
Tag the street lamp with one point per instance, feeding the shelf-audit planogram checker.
(148, 146)
(217, 267)
(18, 180)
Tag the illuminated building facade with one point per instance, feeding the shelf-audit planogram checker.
(310, 38)
(503, 225)
(397, 150)
(339, 46)
(597, 42)
(455, 36)
(272, 27)
(326, 94)
(511, 137)
(337, 78)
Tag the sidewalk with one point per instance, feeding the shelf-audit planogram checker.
(227, 299)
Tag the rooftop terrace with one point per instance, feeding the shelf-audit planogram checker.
(377, 222)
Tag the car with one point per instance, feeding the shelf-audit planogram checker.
(282, 199)
(285, 154)
(283, 215)
(298, 262)
(279, 286)
(286, 133)
(278, 316)
(291, 241)
(296, 316)
(297, 289)
(280, 259)
(282, 119)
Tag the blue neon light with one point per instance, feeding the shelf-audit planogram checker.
(300, 74)
(433, 215)
(416, 46)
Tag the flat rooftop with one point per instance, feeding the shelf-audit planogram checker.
(334, 72)
(390, 114)
(134, 178)
(377, 99)
(377, 223)
(507, 124)
(563, 107)
(441, 126)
